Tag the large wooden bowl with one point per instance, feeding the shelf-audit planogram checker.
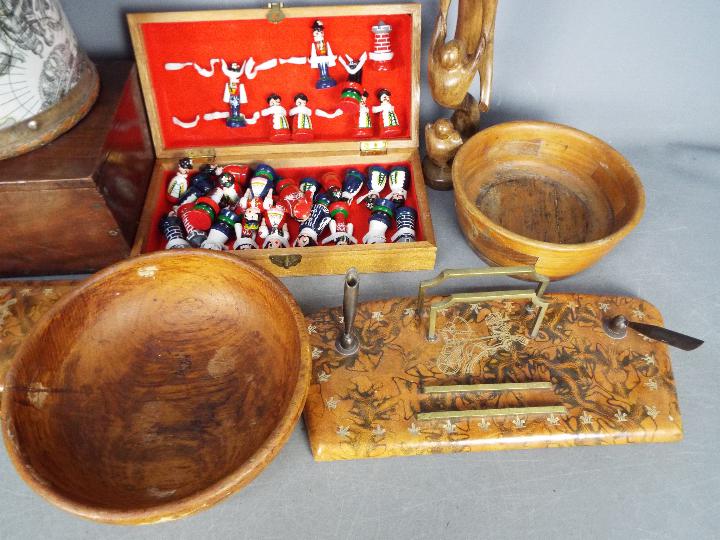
(158, 387)
(544, 194)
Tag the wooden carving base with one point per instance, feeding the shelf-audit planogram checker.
(363, 406)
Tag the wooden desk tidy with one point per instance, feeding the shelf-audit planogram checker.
(383, 400)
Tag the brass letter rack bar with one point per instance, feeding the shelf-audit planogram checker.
(534, 295)
(489, 413)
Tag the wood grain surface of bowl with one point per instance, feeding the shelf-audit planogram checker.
(158, 387)
(543, 194)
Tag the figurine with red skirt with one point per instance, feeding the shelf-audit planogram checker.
(260, 190)
(280, 126)
(390, 124)
(302, 124)
(246, 231)
(273, 229)
(332, 185)
(297, 205)
(364, 127)
(341, 230)
(315, 224)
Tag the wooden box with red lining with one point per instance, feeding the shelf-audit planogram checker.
(182, 59)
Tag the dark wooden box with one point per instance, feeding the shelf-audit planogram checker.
(74, 205)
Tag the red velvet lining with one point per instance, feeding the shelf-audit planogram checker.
(185, 93)
(359, 213)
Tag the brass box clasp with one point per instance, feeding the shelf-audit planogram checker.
(373, 148)
(285, 261)
(275, 13)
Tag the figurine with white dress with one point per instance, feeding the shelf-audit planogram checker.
(390, 123)
(341, 229)
(179, 183)
(246, 231)
(364, 124)
(280, 126)
(399, 182)
(260, 191)
(302, 121)
(273, 229)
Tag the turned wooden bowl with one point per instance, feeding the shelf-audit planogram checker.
(535, 193)
(159, 386)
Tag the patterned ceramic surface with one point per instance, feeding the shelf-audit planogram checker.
(39, 58)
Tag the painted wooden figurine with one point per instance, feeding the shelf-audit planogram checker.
(382, 54)
(375, 182)
(352, 184)
(199, 187)
(399, 182)
(240, 174)
(171, 228)
(380, 220)
(205, 209)
(280, 126)
(297, 205)
(226, 182)
(302, 124)
(193, 235)
(364, 123)
(274, 229)
(179, 183)
(309, 187)
(314, 225)
(322, 57)
(246, 231)
(406, 218)
(352, 92)
(259, 192)
(341, 230)
(332, 185)
(222, 230)
(234, 94)
(390, 124)
(200, 183)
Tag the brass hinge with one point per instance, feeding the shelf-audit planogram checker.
(285, 261)
(373, 148)
(206, 153)
(275, 13)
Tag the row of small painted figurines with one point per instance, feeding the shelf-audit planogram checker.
(302, 128)
(353, 98)
(208, 210)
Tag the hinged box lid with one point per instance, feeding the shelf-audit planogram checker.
(183, 58)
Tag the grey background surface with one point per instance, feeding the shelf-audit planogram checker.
(642, 75)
